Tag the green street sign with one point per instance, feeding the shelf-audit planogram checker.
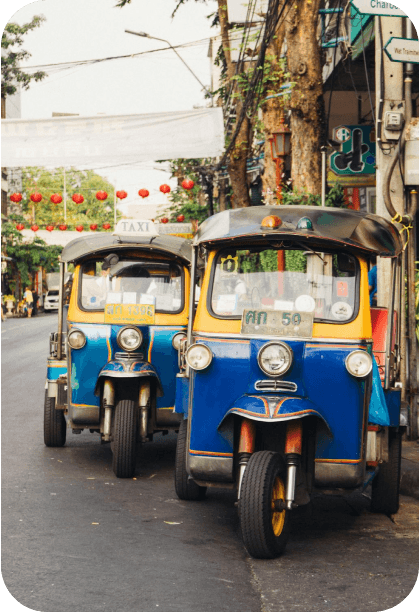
(403, 50)
(357, 152)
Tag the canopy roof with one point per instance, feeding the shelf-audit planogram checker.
(332, 227)
(101, 243)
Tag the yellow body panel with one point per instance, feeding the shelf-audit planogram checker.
(359, 328)
(76, 315)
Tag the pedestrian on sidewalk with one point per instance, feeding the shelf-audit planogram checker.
(29, 301)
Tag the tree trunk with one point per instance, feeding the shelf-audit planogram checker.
(307, 110)
(237, 161)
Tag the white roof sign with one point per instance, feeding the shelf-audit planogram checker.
(375, 7)
(135, 227)
(403, 50)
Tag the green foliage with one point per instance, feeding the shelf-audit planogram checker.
(334, 197)
(11, 74)
(187, 202)
(295, 261)
(47, 182)
(27, 257)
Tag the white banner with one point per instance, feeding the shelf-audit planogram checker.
(89, 142)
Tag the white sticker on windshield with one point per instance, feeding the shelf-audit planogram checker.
(341, 311)
(283, 305)
(227, 303)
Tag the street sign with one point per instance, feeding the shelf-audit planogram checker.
(357, 152)
(403, 50)
(375, 7)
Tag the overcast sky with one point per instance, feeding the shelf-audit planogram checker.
(77, 30)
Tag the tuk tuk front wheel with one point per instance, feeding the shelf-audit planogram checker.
(124, 439)
(386, 485)
(186, 488)
(265, 530)
(54, 423)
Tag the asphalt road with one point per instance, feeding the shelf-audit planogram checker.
(74, 537)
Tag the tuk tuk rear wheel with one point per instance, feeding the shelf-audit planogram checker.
(54, 423)
(386, 485)
(265, 530)
(124, 439)
(186, 488)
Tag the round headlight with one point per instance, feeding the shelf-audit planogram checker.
(198, 356)
(275, 358)
(177, 340)
(129, 338)
(76, 339)
(359, 363)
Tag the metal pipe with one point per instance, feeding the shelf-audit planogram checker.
(323, 150)
(60, 313)
(192, 293)
(403, 343)
(408, 77)
(390, 320)
(411, 325)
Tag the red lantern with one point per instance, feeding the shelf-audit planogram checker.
(188, 184)
(36, 197)
(165, 220)
(62, 227)
(101, 195)
(79, 228)
(164, 188)
(106, 226)
(56, 198)
(77, 198)
(181, 218)
(16, 197)
(93, 227)
(49, 228)
(144, 193)
(121, 195)
(35, 227)
(20, 226)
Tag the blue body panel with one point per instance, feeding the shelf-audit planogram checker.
(55, 368)
(324, 388)
(86, 364)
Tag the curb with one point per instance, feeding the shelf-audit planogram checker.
(409, 478)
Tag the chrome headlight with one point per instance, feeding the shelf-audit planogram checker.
(177, 340)
(275, 358)
(198, 356)
(359, 363)
(76, 339)
(129, 338)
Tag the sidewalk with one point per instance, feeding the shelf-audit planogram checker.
(409, 480)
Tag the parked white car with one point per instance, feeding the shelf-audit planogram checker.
(51, 300)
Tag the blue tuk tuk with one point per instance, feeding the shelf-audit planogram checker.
(290, 380)
(113, 360)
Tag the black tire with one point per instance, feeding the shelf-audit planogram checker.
(55, 427)
(386, 485)
(186, 488)
(265, 532)
(124, 439)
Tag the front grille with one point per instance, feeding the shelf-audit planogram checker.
(275, 385)
(124, 356)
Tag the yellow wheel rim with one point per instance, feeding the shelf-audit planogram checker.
(278, 518)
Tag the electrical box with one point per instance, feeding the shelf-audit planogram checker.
(411, 154)
(393, 121)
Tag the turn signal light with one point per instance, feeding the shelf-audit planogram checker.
(271, 222)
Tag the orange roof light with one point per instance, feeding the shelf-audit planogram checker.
(271, 222)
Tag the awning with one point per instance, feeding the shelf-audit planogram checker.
(89, 142)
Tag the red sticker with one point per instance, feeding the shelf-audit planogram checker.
(342, 289)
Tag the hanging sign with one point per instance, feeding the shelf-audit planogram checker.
(135, 227)
(403, 50)
(357, 152)
(375, 7)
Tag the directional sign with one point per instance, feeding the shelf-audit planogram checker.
(403, 50)
(375, 7)
(357, 154)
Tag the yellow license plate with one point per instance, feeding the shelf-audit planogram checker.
(138, 314)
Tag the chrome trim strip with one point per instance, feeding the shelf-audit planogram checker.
(275, 385)
(299, 339)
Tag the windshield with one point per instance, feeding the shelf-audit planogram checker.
(132, 282)
(292, 280)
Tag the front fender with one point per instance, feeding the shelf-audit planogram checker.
(129, 369)
(271, 409)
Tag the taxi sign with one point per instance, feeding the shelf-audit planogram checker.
(136, 227)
